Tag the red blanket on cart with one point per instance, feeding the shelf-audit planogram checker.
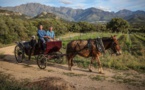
(53, 46)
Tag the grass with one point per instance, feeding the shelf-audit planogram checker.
(128, 41)
(6, 45)
(128, 80)
(2, 55)
(140, 37)
(98, 78)
(70, 74)
(7, 82)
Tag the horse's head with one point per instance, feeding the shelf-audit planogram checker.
(115, 46)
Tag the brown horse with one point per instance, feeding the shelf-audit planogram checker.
(88, 48)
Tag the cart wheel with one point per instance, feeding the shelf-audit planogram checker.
(41, 61)
(59, 57)
(19, 54)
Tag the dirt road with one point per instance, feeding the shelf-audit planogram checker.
(79, 77)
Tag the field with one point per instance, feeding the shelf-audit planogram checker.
(123, 72)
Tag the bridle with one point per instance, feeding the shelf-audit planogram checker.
(113, 45)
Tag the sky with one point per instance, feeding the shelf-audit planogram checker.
(107, 5)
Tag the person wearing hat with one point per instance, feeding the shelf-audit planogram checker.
(32, 44)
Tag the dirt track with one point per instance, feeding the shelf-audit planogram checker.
(79, 77)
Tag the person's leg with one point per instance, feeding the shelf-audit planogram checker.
(43, 44)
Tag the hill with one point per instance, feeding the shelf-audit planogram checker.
(45, 15)
(13, 14)
(137, 17)
(90, 14)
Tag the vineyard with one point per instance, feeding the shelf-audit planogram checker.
(132, 45)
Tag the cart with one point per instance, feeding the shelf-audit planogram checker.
(52, 52)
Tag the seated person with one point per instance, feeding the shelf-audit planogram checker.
(50, 33)
(32, 44)
(42, 36)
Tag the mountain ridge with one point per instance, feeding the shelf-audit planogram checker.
(90, 14)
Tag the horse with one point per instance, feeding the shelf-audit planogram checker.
(88, 48)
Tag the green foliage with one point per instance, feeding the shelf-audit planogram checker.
(75, 28)
(118, 25)
(86, 27)
(13, 29)
(128, 41)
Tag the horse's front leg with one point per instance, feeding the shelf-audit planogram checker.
(99, 64)
(70, 64)
(90, 65)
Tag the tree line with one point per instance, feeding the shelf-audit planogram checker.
(17, 29)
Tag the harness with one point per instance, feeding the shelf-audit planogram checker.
(113, 46)
(88, 45)
(98, 43)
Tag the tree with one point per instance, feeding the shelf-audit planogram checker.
(75, 28)
(118, 25)
(86, 27)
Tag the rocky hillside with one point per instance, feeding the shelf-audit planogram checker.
(13, 14)
(90, 14)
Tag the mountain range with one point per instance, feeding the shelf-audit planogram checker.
(90, 14)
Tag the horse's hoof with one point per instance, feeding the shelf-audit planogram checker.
(90, 70)
(101, 73)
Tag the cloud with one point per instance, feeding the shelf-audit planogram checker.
(79, 6)
(104, 8)
(65, 1)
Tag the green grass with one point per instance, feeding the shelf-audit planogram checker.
(121, 79)
(70, 74)
(98, 78)
(128, 41)
(5, 45)
(128, 80)
(140, 37)
(7, 82)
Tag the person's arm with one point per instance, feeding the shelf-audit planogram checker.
(47, 36)
(40, 34)
(53, 35)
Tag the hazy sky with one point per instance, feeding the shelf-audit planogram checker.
(108, 5)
